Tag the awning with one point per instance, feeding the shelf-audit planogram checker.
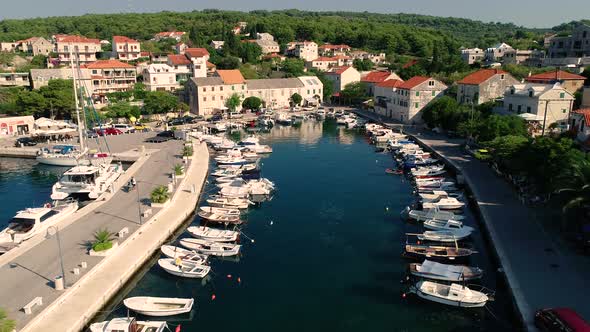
(530, 117)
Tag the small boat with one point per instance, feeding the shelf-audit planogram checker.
(431, 214)
(213, 234)
(394, 171)
(184, 254)
(159, 306)
(454, 295)
(444, 272)
(128, 324)
(219, 210)
(225, 160)
(447, 225)
(434, 184)
(437, 252)
(444, 236)
(61, 155)
(447, 203)
(438, 195)
(181, 268)
(226, 202)
(211, 248)
(220, 218)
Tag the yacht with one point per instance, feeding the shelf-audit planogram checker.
(87, 181)
(128, 324)
(61, 155)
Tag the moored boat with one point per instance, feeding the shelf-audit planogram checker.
(211, 248)
(454, 295)
(181, 268)
(213, 234)
(440, 253)
(128, 324)
(184, 254)
(445, 272)
(159, 306)
(447, 225)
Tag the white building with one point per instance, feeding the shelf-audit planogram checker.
(125, 48)
(83, 49)
(472, 55)
(217, 44)
(16, 125)
(412, 96)
(496, 52)
(306, 50)
(580, 124)
(342, 76)
(160, 77)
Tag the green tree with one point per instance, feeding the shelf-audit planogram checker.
(362, 64)
(159, 102)
(354, 92)
(293, 67)
(160, 195)
(249, 71)
(252, 103)
(250, 52)
(296, 99)
(328, 87)
(502, 125)
(228, 62)
(139, 91)
(6, 325)
(233, 102)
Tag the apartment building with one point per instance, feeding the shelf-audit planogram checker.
(342, 76)
(110, 76)
(126, 49)
(306, 50)
(83, 49)
(472, 55)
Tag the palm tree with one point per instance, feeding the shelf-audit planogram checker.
(6, 325)
(103, 240)
(160, 194)
(178, 169)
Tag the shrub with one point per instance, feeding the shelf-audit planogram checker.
(160, 195)
(103, 240)
(187, 151)
(178, 169)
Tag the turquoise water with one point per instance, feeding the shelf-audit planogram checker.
(327, 250)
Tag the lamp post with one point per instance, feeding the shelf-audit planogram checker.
(53, 230)
(138, 203)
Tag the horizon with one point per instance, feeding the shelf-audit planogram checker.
(483, 12)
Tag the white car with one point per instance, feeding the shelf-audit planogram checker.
(125, 128)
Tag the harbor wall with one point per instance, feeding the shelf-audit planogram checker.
(74, 309)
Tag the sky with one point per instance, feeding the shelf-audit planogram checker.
(520, 12)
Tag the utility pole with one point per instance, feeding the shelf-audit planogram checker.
(545, 118)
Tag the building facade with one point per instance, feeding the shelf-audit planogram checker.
(17, 125)
(496, 52)
(412, 96)
(571, 82)
(472, 55)
(36, 46)
(160, 77)
(517, 57)
(586, 97)
(110, 76)
(198, 58)
(342, 76)
(14, 79)
(176, 35)
(384, 95)
(577, 45)
(483, 86)
(372, 78)
(81, 48)
(126, 49)
(580, 124)
(306, 50)
(333, 50)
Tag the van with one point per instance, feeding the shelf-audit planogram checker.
(560, 320)
(125, 128)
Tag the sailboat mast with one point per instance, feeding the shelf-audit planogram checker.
(77, 103)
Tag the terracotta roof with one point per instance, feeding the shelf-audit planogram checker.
(413, 82)
(106, 64)
(272, 55)
(169, 34)
(196, 52)
(123, 39)
(325, 58)
(333, 47)
(376, 76)
(480, 76)
(390, 83)
(29, 40)
(178, 59)
(338, 70)
(410, 63)
(585, 112)
(77, 39)
(210, 65)
(343, 57)
(144, 54)
(554, 76)
(232, 76)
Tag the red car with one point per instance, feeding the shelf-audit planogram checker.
(560, 320)
(108, 131)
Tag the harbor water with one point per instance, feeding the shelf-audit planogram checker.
(326, 250)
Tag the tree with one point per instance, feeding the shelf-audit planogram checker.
(232, 43)
(252, 103)
(158, 102)
(353, 92)
(160, 195)
(250, 52)
(6, 325)
(233, 102)
(502, 125)
(328, 87)
(293, 67)
(139, 91)
(228, 62)
(248, 71)
(362, 64)
(296, 98)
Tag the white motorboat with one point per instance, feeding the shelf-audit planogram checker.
(184, 254)
(91, 181)
(434, 184)
(210, 247)
(432, 214)
(445, 272)
(220, 218)
(321, 113)
(128, 324)
(32, 221)
(226, 172)
(61, 155)
(183, 268)
(447, 225)
(265, 121)
(159, 306)
(225, 144)
(453, 295)
(219, 210)
(446, 203)
(213, 234)
(283, 118)
(437, 195)
(444, 236)
(253, 144)
(218, 126)
(341, 121)
(226, 202)
(225, 160)
(253, 187)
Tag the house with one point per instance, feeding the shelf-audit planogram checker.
(177, 35)
(217, 44)
(496, 52)
(306, 50)
(159, 57)
(384, 94)
(372, 78)
(332, 50)
(549, 103)
(586, 97)
(516, 57)
(8, 46)
(363, 55)
(342, 76)
(472, 55)
(208, 95)
(580, 124)
(14, 79)
(36, 46)
(274, 57)
(412, 96)
(268, 46)
(82, 49)
(322, 63)
(571, 82)
(484, 85)
(110, 76)
(16, 125)
(577, 45)
(125, 48)
(198, 58)
(160, 77)
(265, 36)
(180, 48)
(181, 66)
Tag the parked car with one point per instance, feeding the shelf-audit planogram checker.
(158, 139)
(166, 133)
(141, 128)
(235, 115)
(109, 131)
(91, 134)
(24, 141)
(216, 117)
(124, 128)
(177, 122)
(560, 320)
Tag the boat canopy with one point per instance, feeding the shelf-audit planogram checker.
(449, 271)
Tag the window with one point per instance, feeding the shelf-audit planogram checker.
(562, 95)
(204, 89)
(430, 83)
(531, 94)
(204, 98)
(213, 89)
(213, 98)
(220, 88)
(512, 91)
(417, 105)
(417, 93)
(94, 71)
(502, 77)
(221, 97)
(564, 111)
(233, 87)
(519, 109)
(528, 109)
(510, 107)
(433, 93)
(308, 91)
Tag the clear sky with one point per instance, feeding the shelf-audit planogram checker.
(530, 13)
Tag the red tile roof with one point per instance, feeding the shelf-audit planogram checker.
(480, 76)
(585, 112)
(325, 58)
(413, 82)
(170, 34)
(410, 63)
(210, 65)
(376, 76)
(77, 39)
(338, 70)
(107, 64)
(232, 76)
(554, 76)
(333, 47)
(123, 39)
(390, 83)
(178, 59)
(196, 52)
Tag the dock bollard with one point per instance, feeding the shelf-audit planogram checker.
(193, 189)
(76, 271)
(83, 265)
(58, 283)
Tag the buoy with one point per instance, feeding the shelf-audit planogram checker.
(239, 280)
(252, 240)
(212, 297)
(403, 295)
(229, 276)
(271, 222)
(387, 208)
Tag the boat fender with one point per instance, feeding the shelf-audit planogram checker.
(239, 280)
(48, 205)
(229, 276)
(213, 297)
(404, 295)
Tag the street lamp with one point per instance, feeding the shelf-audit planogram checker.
(53, 230)
(138, 203)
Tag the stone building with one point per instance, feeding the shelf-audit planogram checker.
(570, 82)
(412, 96)
(483, 86)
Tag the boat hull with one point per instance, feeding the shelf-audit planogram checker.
(448, 302)
(182, 305)
(63, 161)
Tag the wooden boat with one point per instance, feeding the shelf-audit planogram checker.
(446, 203)
(183, 254)
(440, 253)
(444, 272)
(227, 202)
(437, 195)
(213, 234)
(443, 236)
(211, 248)
(218, 210)
(447, 225)
(432, 214)
(181, 268)
(220, 218)
(128, 324)
(159, 306)
(454, 295)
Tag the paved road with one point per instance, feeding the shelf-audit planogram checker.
(543, 272)
(31, 274)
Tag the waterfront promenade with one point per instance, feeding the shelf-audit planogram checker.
(541, 273)
(31, 274)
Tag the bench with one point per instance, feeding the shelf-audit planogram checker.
(146, 213)
(28, 309)
(123, 232)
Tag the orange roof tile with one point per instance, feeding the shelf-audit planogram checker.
(77, 39)
(585, 112)
(210, 65)
(413, 82)
(325, 58)
(178, 59)
(376, 76)
(410, 63)
(480, 76)
(338, 70)
(554, 76)
(106, 64)
(231, 76)
(390, 83)
(123, 39)
(196, 52)
(333, 47)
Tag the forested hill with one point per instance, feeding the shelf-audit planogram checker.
(400, 33)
